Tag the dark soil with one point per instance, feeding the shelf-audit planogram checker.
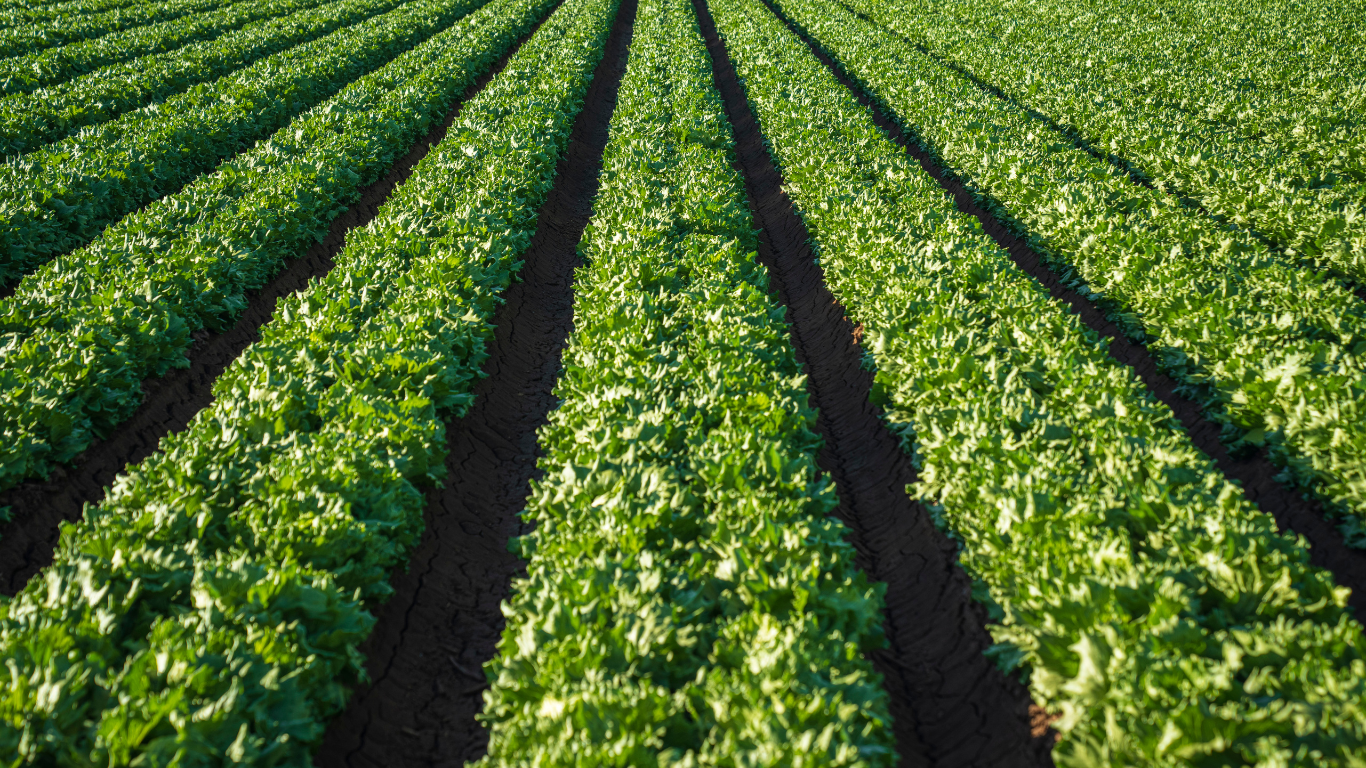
(952, 707)
(443, 623)
(1293, 510)
(39, 507)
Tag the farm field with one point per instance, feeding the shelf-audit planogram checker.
(682, 383)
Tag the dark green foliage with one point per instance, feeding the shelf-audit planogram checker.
(38, 28)
(212, 605)
(22, 74)
(1276, 352)
(1147, 603)
(30, 120)
(129, 302)
(688, 600)
(62, 196)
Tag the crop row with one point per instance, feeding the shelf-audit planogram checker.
(688, 599)
(1297, 175)
(30, 120)
(132, 299)
(1224, 60)
(1208, 55)
(1152, 607)
(16, 12)
(1318, 32)
(45, 29)
(1277, 354)
(22, 74)
(235, 569)
(61, 196)
(1219, 61)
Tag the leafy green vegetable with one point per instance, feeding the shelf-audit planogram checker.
(88, 328)
(1276, 353)
(14, 13)
(30, 120)
(1263, 130)
(688, 600)
(1147, 602)
(62, 196)
(212, 605)
(36, 29)
(22, 74)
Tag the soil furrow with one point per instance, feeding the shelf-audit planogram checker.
(1293, 510)
(952, 706)
(39, 507)
(434, 634)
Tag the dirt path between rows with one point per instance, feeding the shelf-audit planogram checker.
(39, 507)
(426, 656)
(1292, 510)
(952, 707)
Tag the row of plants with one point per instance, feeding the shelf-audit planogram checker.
(22, 74)
(45, 29)
(1148, 604)
(1298, 49)
(16, 12)
(61, 196)
(1296, 175)
(1275, 353)
(91, 326)
(688, 598)
(1258, 49)
(30, 120)
(232, 575)
(1311, 28)
(1219, 60)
